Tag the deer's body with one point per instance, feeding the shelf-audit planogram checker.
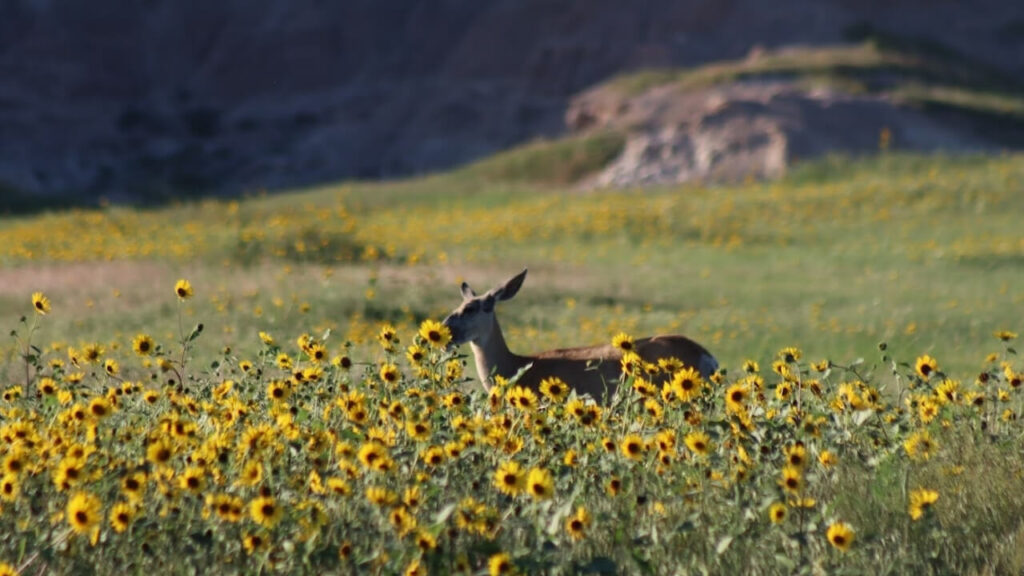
(593, 370)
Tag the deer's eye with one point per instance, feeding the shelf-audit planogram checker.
(471, 308)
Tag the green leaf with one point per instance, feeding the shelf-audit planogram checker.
(687, 526)
(785, 561)
(723, 545)
(600, 565)
(444, 513)
(861, 416)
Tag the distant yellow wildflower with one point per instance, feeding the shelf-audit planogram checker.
(840, 536)
(920, 500)
(926, 366)
(183, 289)
(41, 303)
(539, 484)
(577, 524)
(143, 345)
(777, 512)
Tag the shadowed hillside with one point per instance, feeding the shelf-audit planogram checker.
(133, 100)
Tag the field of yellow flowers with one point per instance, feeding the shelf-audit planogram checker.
(305, 457)
(261, 386)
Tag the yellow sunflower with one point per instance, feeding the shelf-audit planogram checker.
(436, 334)
(577, 524)
(265, 511)
(540, 484)
(84, 512)
(840, 536)
(510, 478)
(921, 500)
(183, 289)
(926, 366)
(40, 303)
(143, 345)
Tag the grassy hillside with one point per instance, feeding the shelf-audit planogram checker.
(917, 75)
(228, 450)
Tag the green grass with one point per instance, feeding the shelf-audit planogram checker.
(905, 71)
(921, 252)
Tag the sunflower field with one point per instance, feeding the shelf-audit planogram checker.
(260, 385)
(307, 458)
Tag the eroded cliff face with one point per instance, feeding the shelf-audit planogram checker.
(135, 99)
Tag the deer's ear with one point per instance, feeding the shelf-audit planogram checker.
(511, 287)
(467, 292)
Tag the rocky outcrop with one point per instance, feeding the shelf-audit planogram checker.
(753, 129)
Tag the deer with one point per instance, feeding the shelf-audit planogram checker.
(588, 370)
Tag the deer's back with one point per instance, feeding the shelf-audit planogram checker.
(595, 370)
(650, 349)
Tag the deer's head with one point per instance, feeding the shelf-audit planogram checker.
(473, 320)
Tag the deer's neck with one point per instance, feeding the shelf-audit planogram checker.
(493, 356)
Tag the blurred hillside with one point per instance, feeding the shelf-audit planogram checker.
(147, 100)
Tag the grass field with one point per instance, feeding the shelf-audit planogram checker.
(924, 254)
